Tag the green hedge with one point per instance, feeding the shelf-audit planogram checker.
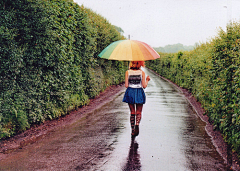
(211, 72)
(49, 64)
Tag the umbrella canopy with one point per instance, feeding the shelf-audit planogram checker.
(129, 50)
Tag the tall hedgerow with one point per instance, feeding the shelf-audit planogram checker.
(224, 99)
(211, 72)
(48, 63)
(104, 33)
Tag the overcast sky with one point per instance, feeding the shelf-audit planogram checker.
(163, 22)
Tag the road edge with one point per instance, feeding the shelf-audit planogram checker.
(216, 136)
(38, 132)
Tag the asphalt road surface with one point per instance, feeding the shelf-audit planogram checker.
(172, 138)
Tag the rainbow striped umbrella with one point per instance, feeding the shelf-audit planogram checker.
(129, 50)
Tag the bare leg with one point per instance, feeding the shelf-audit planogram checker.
(132, 108)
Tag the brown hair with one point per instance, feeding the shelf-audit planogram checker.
(136, 64)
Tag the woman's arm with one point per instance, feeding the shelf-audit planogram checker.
(126, 79)
(145, 81)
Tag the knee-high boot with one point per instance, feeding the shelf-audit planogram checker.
(132, 121)
(138, 119)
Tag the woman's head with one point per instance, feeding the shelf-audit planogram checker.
(136, 64)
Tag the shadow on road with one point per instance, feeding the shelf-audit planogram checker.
(133, 160)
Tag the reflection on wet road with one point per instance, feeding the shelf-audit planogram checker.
(172, 138)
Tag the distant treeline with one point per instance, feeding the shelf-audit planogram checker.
(174, 48)
(212, 73)
(48, 60)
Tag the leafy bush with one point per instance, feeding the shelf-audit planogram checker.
(49, 64)
(211, 72)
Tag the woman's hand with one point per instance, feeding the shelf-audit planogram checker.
(148, 78)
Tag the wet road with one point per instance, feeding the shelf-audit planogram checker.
(172, 138)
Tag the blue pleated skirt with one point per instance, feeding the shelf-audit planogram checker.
(134, 96)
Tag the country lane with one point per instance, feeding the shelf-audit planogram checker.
(172, 138)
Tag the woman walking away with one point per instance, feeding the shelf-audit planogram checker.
(135, 81)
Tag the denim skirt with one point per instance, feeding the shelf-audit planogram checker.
(134, 96)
